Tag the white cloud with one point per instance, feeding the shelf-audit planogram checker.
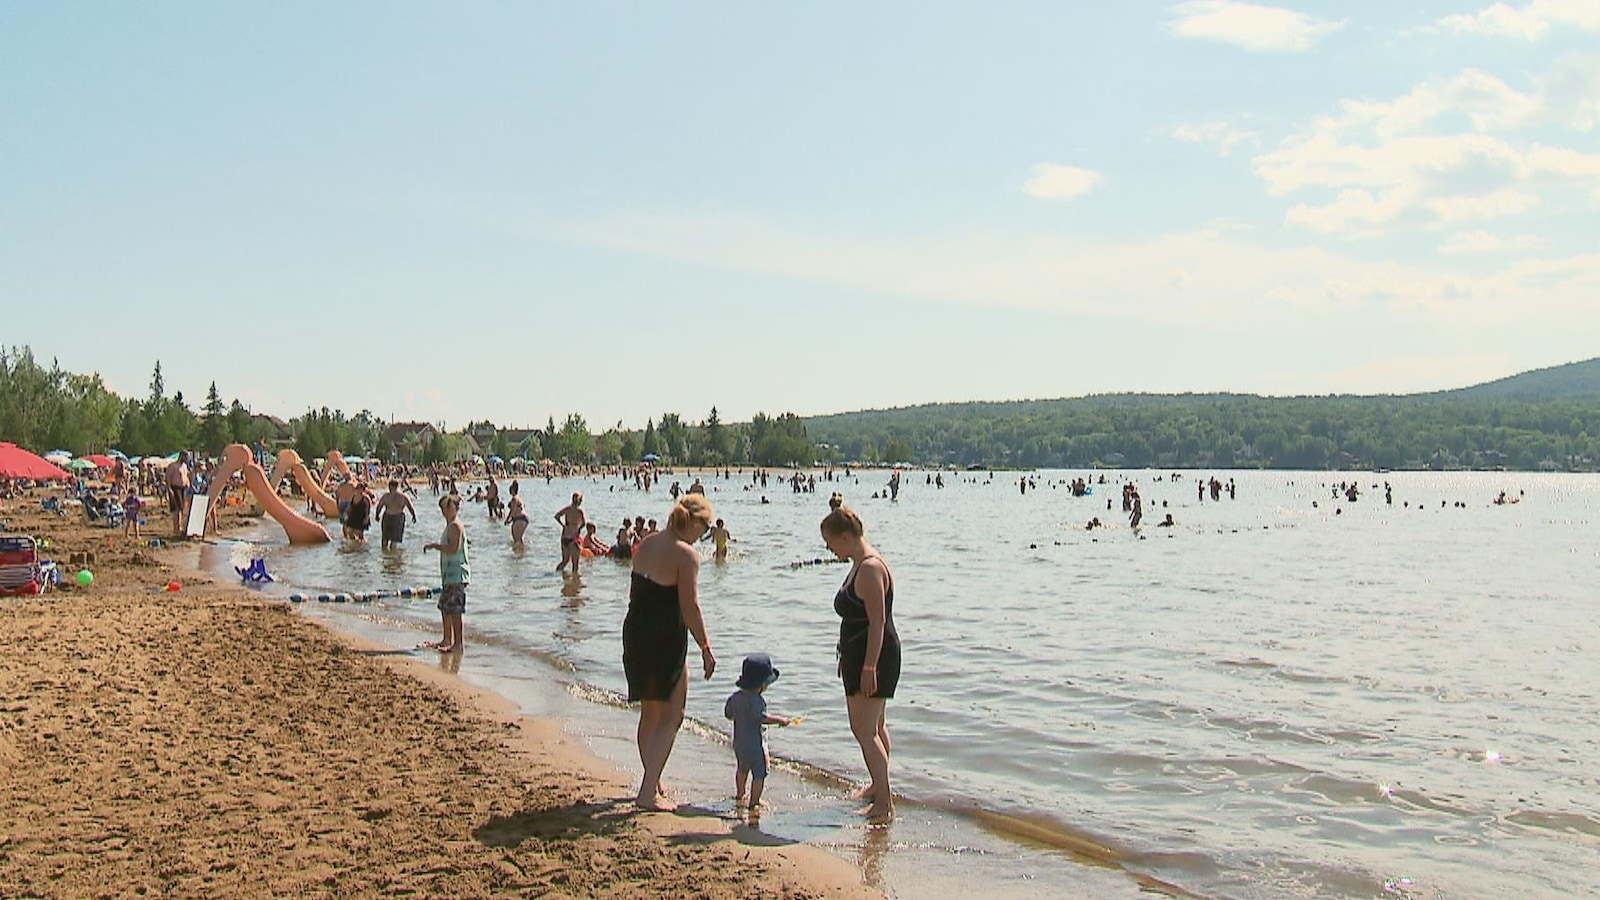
(1190, 279)
(1448, 151)
(1463, 242)
(1532, 21)
(1354, 213)
(1053, 182)
(1481, 207)
(1225, 135)
(1263, 29)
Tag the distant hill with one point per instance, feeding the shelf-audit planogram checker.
(1573, 381)
(1547, 419)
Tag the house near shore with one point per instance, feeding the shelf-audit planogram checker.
(410, 439)
(274, 431)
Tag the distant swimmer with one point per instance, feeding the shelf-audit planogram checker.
(1167, 522)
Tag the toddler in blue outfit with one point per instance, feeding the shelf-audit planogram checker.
(748, 710)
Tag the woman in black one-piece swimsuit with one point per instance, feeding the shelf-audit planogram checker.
(663, 612)
(869, 648)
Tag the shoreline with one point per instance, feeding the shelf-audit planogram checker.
(213, 742)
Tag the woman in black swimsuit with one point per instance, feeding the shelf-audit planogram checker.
(869, 648)
(663, 610)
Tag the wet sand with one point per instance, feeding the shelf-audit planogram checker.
(207, 743)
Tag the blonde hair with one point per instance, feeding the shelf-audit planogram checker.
(843, 520)
(691, 508)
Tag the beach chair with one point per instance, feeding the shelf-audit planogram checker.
(20, 575)
(104, 512)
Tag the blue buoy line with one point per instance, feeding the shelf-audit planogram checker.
(363, 596)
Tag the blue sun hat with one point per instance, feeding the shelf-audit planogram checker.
(758, 672)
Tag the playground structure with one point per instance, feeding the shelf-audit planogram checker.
(237, 458)
(289, 463)
(336, 463)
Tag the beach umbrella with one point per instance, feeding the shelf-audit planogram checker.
(82, 463)
(101, 460)
(16, 462)
(651, 457)
(117, 454)
(58, 456)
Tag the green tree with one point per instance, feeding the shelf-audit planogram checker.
(214, 431)
(719, 449)
(241, 428)
(897, 450)
(574, 440)
(438, 450)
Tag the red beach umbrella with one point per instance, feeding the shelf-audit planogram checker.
(16, 462)
(104, 462)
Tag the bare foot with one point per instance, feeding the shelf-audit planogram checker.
(444, 648)
(654, 804)
(864, 793)
(877, 812)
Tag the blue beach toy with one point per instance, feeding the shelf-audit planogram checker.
(256, 571)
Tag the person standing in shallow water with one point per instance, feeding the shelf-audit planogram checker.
(572, 520)
(663, 611)
(516, 515)
(869, 649)
(454, 574)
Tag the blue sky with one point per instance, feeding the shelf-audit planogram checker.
(514, 211)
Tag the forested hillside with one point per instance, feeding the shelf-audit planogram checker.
(1547, 419)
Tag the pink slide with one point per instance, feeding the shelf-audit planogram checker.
(236, 458)
(289, 462)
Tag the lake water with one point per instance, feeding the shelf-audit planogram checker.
(1286, 694)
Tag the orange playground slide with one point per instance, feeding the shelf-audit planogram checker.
(289, 463)
(336, 463)
(236, 458)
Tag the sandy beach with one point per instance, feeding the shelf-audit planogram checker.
(208, 743)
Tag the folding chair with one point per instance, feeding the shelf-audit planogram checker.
(19, 566)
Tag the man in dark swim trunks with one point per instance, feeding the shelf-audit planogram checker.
(178, 484)
(572, 520)
(392, 509)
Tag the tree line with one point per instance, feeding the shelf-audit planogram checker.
(1458, 430)
(44, 408)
